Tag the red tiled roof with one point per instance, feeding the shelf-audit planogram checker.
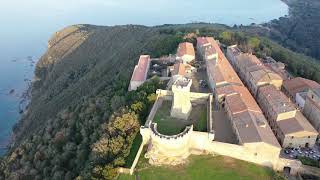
(185, 48)
(141, 70)
(201, 41)
(277, 101)
(179, 69)
(296, 85)
(222, 71)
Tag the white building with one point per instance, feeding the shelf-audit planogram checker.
(140, 72)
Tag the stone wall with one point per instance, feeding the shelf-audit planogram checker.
(312, 112)
(302, 141)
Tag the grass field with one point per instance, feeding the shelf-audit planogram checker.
(168, 125)
(206, 168)
(134, 150)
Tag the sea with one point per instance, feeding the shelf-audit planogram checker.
(26, 26)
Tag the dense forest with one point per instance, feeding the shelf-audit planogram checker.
(299, 31)
(82, 122)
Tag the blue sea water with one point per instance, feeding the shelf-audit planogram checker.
(26, 27)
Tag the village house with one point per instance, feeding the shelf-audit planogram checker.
(248, 122)
(219, 71)
(265, 85)
(312, 107)
(252, 70)
(297, 89)
(291, 128)
(246, 116)
(140, 72)
(205, 49)
(185, 52)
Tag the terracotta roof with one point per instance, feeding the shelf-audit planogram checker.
(202, 41)
(317, 91)
(210, 51)
(246, 61)
(298, 124)
(296, 85)
(265, 75)
(235, 50)
(179, 69)
(185, 48)
(277, 101)
(253, 127)
(247, 115)
(221, 70)
(248, 118)
(141, 70)
(241, 100)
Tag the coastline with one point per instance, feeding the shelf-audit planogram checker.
(23, 106)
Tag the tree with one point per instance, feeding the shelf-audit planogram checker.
(254, 43)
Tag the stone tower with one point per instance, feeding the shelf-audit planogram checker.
(181, 105)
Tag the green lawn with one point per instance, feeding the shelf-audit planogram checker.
(168, 125)
(134, 150)
(201, 124)
(206, 168)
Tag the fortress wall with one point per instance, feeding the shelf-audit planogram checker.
(177, 145)
(136, 159)
(210, 118)
(153, 111)
(241, 153)
(258, 153)
(199, 97)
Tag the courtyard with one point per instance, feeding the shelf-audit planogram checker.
(223, 128)
(168, 125)
(200, 81)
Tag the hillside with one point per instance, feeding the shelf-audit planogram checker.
(80, 82)
(82, 122)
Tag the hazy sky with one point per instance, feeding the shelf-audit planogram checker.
(138, 11)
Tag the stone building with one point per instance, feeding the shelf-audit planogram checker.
(297, 89)
(185, 52)
(291, 128)
(312, 108)
(205, 49)
(140, 72)
(232, 97)
(181, 105)
(219, 71)
(252, 71)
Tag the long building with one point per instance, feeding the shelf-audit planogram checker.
(291, 128)
(289, 125)
(248, 122)
(185, 52)
(252, 71)
(219, 71)
(140, 72)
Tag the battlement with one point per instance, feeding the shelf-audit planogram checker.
(182, 83)
(155, 132)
